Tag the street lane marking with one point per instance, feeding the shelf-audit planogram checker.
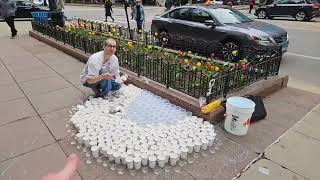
(301, 55)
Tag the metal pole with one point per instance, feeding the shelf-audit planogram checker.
(126, 5)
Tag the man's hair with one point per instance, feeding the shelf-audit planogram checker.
(107, 41)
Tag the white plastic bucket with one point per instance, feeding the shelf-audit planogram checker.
(238, 113)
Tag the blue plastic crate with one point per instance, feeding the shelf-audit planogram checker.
(40, 17)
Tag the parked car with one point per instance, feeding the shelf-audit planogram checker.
(301, 10)
(221, 25)
(24, 9)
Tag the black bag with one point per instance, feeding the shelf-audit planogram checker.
(259, 110)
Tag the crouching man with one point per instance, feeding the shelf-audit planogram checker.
(102, 70)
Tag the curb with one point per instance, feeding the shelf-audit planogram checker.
(262, 87)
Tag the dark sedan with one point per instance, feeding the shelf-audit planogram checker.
(301, 10)
(221, 25)
(24, 9)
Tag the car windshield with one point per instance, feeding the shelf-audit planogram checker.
(229, 16)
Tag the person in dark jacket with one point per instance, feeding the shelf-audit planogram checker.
(8, 9)
(108, 9)
(250, 3)
(139, 15)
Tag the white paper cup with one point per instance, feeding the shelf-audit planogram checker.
(152, 161)
(86, 140)
(129, 162)
(79, 137)
(161, 160)
(117, 157)
(144, 159)
(130, 151)
(211, 140)
(173, 159)
(110, 155)
(204, 144)
(137, 163)
(123, 158)
(104, 150)
(197, 146)
(93, 143)
(184, 152)
(190, 146)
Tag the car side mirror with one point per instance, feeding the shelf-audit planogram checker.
(210, 23)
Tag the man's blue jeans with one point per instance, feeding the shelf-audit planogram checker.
(107, 85)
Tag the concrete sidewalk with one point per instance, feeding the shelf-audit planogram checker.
(39, 84)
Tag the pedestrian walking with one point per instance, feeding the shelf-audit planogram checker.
(250, 3)
(132, 6)
(139, 15)
(168, 4)
(8, 10)
(102, 70)
(108, 9)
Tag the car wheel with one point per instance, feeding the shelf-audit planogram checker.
(300, 16)
(262, 14)
(231, 51)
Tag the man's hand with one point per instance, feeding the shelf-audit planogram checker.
(68, 171)
(107, 76)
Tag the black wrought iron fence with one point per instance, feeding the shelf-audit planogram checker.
(172, 74)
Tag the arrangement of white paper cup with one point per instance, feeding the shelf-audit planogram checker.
(129, 162)
(95, 151)
(137, 162)
(152, 161)
(161, 160)
(173, 159)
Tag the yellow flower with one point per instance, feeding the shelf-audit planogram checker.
(149, 46)
(140, 31)
(113, 30)
(216, 68)
(110, 34)
(189, 52)
(235, 52)
(156, 34)
(129, 44)
(194, 67)
(93, 33)
(199, 64)
(186, 61)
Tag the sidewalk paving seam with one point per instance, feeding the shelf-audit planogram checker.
(277, 141)
(310, 137)
(17, 120)
(27, 152)
(28, 98)
(285, 168)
